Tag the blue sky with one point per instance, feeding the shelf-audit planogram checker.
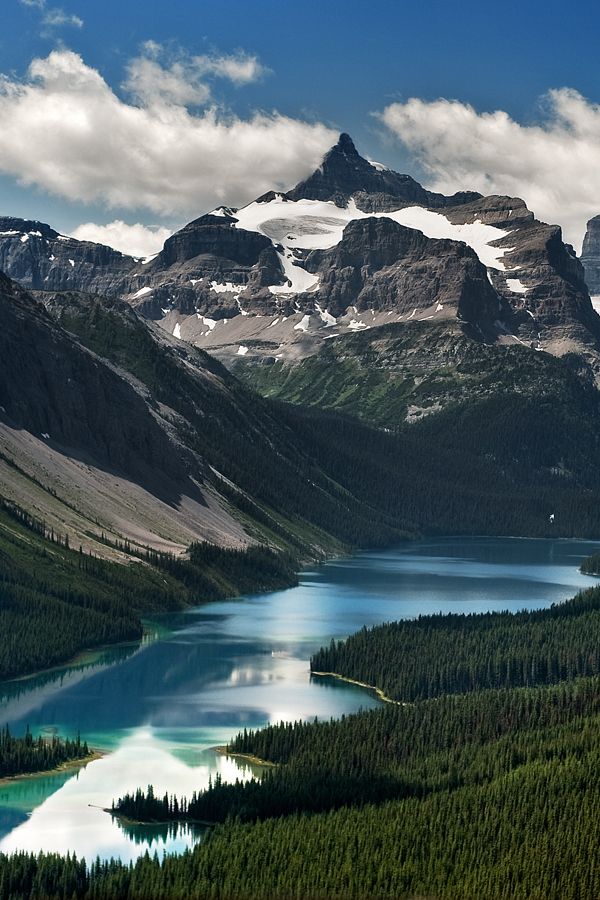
(323, 63)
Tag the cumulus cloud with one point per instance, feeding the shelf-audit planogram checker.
(552, 165)
(159, 76)
(135, 240)
(65, 130)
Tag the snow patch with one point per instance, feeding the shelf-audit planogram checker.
(142, 292)
(298, 279)
(24, 238)
(72, 263)
(326, 317)
(228, 287)
(596, 302)
(242, 350)
(356, 325)
(210, 322)
(379, 166)
(303, 324)
(177, 331)
(516, 286)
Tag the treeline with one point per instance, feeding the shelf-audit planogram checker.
(306, 477)
(591, 564)
(440, 654)
(20, 755)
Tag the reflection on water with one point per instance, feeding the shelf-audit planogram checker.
(74, 817)
(160, 707)
(157, 836)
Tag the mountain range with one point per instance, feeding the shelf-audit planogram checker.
(350, 363)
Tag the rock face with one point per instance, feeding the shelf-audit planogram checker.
(381, 265)
(353, 246)
(54, 388)
(40, 258)
(590, 255)
(543, 281)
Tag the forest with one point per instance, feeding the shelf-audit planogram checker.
(22, 755)
(497, 796)
(56, 601)
(447, 654)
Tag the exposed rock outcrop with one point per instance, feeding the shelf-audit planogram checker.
(381, 265)
(590, 255)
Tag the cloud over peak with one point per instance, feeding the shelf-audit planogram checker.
(65, 130)
(552, 165)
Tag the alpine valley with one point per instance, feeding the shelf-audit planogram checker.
(355, 363)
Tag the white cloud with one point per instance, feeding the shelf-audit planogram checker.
(136, 240)
(553, 165)
(182, 80)
(65, 130)
(239, 68)
(55, 18)
(152, 84)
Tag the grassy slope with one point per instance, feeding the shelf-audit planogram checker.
(377, 375)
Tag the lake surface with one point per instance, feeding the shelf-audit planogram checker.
(159, 707)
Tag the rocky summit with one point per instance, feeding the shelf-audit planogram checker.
(352, 247)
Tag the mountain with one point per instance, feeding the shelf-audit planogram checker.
(590, 255)
(114, 432)
(344, 175)
(353, 247)
(382, 380)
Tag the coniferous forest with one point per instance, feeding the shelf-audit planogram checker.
(22, 755)
(483, 791)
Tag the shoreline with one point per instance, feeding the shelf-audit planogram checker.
(79, 659)
(62, 767)
(370, 687)
(248, 757)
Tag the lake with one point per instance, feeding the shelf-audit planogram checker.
(158, 707)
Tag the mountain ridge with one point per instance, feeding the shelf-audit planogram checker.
(257, 281)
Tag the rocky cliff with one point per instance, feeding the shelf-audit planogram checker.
(590, 255)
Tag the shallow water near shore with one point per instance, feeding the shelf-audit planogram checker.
(159, 708)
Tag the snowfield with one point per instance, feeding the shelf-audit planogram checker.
(319, 225)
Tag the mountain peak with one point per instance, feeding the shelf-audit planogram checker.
(345, 144)
(344, 174)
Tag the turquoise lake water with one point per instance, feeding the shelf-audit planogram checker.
(159, 707)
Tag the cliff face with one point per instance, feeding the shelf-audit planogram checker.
(381, 265)
(590, 255)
